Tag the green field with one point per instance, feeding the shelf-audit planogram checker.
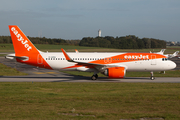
(8, 71)
(31, 101)
(50, 48)
(57, 48)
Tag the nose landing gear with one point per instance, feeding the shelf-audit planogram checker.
(152, 76)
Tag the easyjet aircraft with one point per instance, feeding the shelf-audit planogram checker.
(113, 65)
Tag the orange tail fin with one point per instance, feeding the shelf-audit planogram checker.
(25, 51)
(22, 45)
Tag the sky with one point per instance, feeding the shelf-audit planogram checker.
(75, 19)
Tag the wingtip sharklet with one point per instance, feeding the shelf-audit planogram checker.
(66, 55)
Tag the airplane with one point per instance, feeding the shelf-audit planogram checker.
(113, 65)
(175, 54)
(161, 52)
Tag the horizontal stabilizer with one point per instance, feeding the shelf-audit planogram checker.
(12, 56)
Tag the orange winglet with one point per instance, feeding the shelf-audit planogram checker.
(66, 55)
(76, 51)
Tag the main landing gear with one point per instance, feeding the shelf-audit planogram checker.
(94, 77)
(152, 76)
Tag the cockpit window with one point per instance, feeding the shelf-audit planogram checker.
(164, 59)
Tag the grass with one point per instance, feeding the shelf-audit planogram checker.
(57, 48)
(50, 48)
(170, 73)
(173, 47)
(68, 48)
(8, 71)
(89, 100)
(2, 55)
(6, 48)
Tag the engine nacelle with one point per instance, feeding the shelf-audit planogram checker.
(115, 72)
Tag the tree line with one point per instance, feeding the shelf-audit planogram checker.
(43, 40)
(127, 42)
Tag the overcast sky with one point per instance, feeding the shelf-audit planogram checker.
(75, 19)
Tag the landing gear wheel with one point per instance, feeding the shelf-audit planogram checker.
(152, 78)
(94, 77)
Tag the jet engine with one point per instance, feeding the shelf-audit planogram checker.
(115, 72)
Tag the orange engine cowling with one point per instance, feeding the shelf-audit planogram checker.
(115, 72)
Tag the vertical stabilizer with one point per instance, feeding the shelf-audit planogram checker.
(175, 53)
(22, 45)
(25, 51)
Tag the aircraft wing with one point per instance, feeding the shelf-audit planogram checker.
(100, 67)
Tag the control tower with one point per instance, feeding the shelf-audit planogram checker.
(99, 33)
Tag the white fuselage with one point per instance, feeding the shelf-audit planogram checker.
(58, 61)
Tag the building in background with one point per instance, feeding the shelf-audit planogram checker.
(99, 33)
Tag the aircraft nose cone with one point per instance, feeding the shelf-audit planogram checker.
(172, 65)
